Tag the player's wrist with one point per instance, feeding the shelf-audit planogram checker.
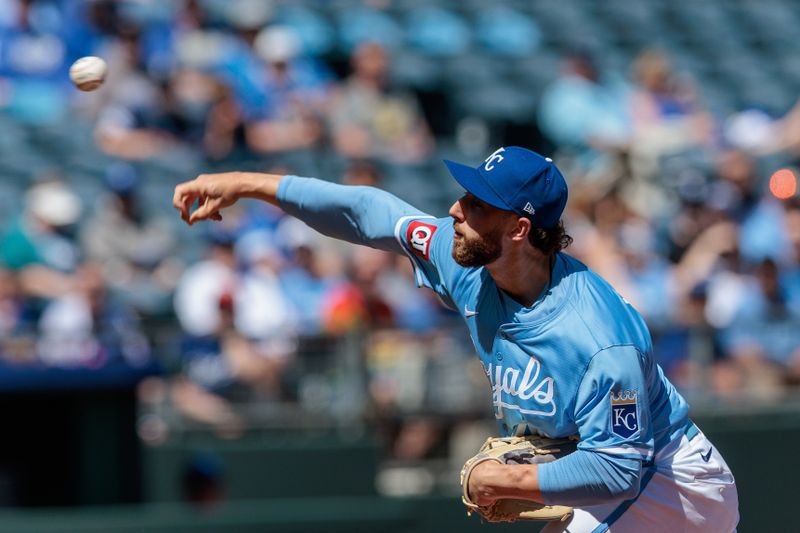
(519, 481)
(257, 185)
(482, 483)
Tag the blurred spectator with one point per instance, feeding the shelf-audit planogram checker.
(240, 335)
(360, 304)
(133, 247)
(177, 114)
(286, 95)
(40, 246)
(714, 262)
(192, 97)
(759, 215)
(666, 112)
(736, 189)
(585, 112)
(259, 308)
(158, 96)
(383, 281)
(42, 234)
(783, 135)
(648, 276)
(135, 122)
(17, 323)
(760, 133)
(368, 120)
(223, 126)
(763, 339)
(413, 310)
(33, 62)
(691, 218)
(312, 276)
(790, 273)
(363, 172)
(87, 327)
(10, 304)
(596, 222)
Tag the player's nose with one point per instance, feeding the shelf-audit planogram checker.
(456, 212)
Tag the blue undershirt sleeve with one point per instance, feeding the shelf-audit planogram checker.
(357, 214)
(589, 478)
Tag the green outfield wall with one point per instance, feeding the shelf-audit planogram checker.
(285, 482)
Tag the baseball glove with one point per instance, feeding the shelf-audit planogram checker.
(517, 450)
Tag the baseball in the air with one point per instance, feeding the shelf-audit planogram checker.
(88, 73)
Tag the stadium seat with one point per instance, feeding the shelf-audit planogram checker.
(495, 102)
(412, 69)
(470, 69)
(437, 32)
(315, 31)
(506, 32)
(356, 25)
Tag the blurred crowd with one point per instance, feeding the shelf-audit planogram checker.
(691, 214)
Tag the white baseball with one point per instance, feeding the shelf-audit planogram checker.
(88, 73)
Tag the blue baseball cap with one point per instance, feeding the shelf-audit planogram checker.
(518, 180)
(122, 178)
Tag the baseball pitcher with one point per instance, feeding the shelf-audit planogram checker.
(593, 437)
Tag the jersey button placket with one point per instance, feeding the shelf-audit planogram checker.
(503, 337)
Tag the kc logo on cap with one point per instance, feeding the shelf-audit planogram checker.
(518, 180)
(495, 157)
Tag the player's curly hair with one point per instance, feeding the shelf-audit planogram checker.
(550, 241)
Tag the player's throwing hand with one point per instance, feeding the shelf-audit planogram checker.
(215, 192)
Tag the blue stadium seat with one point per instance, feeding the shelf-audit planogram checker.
(411, 69)
(469, 70)
(506, 32)
(359, 24)
(315, 31)
(497, 102)
(437, 32)
(537, 70)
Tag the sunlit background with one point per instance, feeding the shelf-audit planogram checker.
(251, 375)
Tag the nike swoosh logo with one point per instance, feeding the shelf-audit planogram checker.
(468, 313)
(707, 456)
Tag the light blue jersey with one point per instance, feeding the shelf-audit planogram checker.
(577, 362)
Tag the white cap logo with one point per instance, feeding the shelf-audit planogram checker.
(494, 158)
(529, 209)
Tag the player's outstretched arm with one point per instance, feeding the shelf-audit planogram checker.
(357, 214)
(215, 192)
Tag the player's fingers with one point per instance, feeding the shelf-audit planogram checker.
(183, 198)
(206, 210)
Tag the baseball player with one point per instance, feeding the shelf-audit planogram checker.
(564, 353)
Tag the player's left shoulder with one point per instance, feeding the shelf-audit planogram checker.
(600, 309)
(578, 272)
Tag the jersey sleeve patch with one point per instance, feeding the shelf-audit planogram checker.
(419, 236)
(624, 414)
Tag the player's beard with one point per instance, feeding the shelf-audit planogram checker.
(480, 251)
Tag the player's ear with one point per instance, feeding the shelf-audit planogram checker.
(521, 229)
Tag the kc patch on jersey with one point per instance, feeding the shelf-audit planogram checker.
(419, 236)
(624, 414)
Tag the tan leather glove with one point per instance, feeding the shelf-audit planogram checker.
(517, 450)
